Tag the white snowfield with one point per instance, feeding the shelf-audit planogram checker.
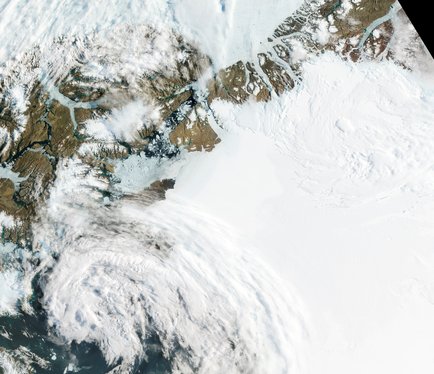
(333, 183)
(302, 244)
(331, 186)
(232, 30)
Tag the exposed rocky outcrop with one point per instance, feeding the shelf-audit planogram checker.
(55, 129)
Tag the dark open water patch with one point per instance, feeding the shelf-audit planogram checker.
(32, 333)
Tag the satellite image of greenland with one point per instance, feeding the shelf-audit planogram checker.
(215, 187)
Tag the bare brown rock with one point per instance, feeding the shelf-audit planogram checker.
(63, 142)
(38, 171)
(230, 84)
(7, 203)
(195, 133)
(278, 77)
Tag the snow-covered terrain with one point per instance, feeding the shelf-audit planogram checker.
(330, 185)
(334, 185)
(301, 244)
(237, 27)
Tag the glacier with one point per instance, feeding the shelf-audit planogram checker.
(301, 244)
(333, 184)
